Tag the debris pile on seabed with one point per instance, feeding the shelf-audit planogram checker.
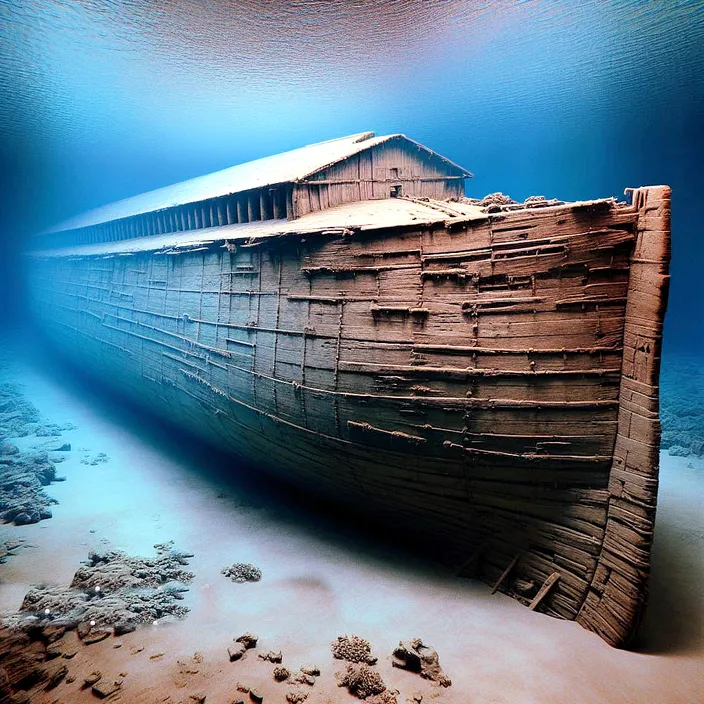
(353, 649)
(366, 683)
(242, 572)
(112, 593)
(416, 656)
(23, 475)
(360, 679)
(498, 202)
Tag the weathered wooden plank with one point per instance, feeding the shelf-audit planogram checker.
(544, 589)
(615, 603)
(505, 573)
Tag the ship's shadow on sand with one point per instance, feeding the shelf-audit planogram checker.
(674, 619)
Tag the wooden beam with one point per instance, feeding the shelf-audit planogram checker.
(242, 209)
(290, 211)
(253, 207)
(505, 573)
(264, 207)
(542, 592)
(279, 207)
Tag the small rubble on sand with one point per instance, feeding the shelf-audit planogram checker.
(9, 547)
(100, 458)
(23, 475)
(249, 640)
(306, 674)
(415, 656)
(297, 696)
(281, 673)
(241, 645)
(301, 678)
(106, 688)
(270, 656)
(242, 572)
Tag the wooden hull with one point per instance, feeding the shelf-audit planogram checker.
(490, 383)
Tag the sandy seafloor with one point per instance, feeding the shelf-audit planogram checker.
(320, 581)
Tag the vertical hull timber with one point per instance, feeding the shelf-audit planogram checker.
(489, 380)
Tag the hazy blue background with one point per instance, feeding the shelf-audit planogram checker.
(101, 100)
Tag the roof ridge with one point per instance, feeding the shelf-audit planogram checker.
(356, 138)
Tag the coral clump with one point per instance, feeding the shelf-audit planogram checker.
(361, 680)
(112, 590)
(296, 697)
(242, 572)
(353, 649)
(281, 674)
(23, 475)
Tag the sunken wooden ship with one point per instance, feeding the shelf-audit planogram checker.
(483, 374)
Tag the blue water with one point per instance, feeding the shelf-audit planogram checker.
(100, 100)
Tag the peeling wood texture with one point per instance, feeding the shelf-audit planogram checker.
(488, 380)
(617, 594)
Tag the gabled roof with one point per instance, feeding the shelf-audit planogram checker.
(286, 167)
